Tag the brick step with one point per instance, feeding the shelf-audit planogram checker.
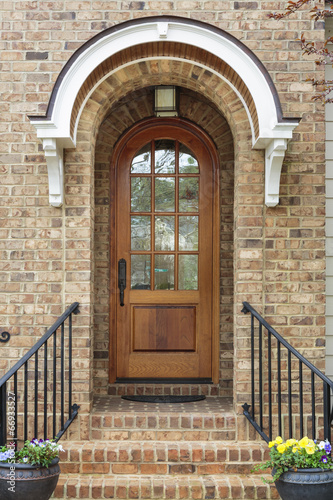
(161, 457)
(116, 419)
(245, 487)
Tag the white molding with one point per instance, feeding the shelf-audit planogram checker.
(57, 126)
(55, 169)
(274, 156)
(162, 29)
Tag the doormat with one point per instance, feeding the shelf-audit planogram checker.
(164, 399)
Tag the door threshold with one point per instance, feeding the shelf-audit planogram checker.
(163, 381)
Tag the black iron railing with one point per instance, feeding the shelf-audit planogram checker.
(34, 392)
(290, 397)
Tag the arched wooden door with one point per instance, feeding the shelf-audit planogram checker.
(165, 271)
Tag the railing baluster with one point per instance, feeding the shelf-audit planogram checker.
(252, 366)
(279, 387)
(3, 415)
(313, 399)
(70, 366)
(301, 417)
(36, 395)
(15, 409)
(45, 390)
(25, 401)
(260, 377)
(270, 385)
(327, 406)
(62, 373)
(290, 396)
(54, 382)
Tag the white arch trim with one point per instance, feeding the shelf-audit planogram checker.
(274, 131)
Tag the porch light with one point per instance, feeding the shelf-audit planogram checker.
(165, 101)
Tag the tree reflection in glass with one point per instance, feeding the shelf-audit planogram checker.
(188, 272)
(140, 194)
(188, 164)
(188, 232)
(140, 272)
(164, 272)
(165, 157)
(165, 194)
(141, 163)
(164, 233)
(140, 232)
(188, 194)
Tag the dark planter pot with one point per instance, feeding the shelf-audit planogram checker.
(30, 482)
(306, 484)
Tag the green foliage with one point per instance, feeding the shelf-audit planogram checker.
(34, 452)
(293, 454)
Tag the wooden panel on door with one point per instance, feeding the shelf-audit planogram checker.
(164, 328)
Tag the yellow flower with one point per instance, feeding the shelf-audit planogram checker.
(271, 444)
(281, 448)
(310, 449)
(279, 440)
(295, 448)
(290, 442)
(304, 442)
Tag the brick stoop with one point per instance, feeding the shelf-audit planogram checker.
(161, 457)
(166, 470)
(162, 451)
(171, 487)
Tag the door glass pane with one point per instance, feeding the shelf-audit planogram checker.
(164, 272)
(165, 194)
(188, 272)
(188, 164)
(188, 194)
(140, 232)
(141, 163)
(188, 232)
(165, 157)
(140, 194)
(164, 233)
(140, 272)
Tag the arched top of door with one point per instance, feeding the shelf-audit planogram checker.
(122, 44)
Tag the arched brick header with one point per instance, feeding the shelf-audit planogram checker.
(157, 37)
(170, 50)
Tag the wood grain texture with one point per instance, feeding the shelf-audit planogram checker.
(164, 328)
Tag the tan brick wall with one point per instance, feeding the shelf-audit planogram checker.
(51, 257)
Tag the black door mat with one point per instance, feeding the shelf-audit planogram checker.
(164, 399)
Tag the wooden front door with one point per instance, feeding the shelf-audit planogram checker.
(166, 249)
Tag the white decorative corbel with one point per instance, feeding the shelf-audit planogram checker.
(274, 156)
(55, 169)
(162, 30)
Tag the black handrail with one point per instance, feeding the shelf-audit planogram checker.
(12, 397)
(295, 393)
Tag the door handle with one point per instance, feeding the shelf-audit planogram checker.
(122, 279)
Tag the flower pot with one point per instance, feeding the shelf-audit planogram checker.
(28, 482)
(306, 484)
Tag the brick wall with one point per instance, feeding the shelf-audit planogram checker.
(51, 257)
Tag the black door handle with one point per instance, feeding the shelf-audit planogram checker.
(121, 279)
